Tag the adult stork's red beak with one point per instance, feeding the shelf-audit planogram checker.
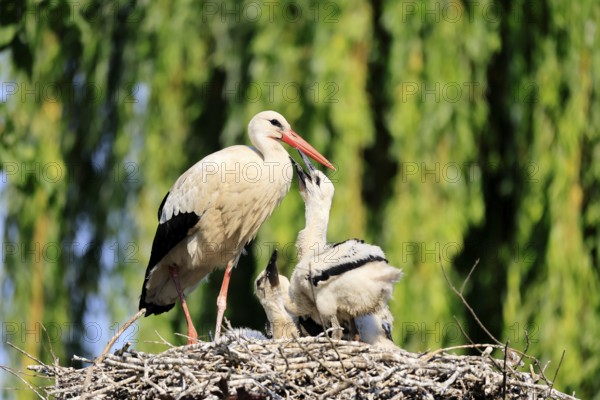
(293, 139)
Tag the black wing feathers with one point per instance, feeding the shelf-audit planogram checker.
(346, 241)
(168, 235)
(342, 268)
(162, 204)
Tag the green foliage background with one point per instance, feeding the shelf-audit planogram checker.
(468, 130)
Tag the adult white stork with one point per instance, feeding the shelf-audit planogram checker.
(214, 209)
(340, 281)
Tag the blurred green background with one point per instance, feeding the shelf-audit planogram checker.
(466, 130)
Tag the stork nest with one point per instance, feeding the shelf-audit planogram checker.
(306, 368)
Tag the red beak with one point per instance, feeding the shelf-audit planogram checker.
(294, 140)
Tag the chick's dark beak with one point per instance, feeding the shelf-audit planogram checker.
(309, 165)
(272, 273)
(302, 176)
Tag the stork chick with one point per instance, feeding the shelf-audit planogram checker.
(340, 281)
(272, 291)
(376, 328)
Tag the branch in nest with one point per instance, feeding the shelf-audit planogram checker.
(465, 302)
(507, 350)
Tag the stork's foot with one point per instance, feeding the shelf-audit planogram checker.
(338, 331)
(192, 335)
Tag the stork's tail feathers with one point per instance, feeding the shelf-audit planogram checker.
(152, 308)
(155, 308)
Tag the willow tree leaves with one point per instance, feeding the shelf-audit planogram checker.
(460, 130)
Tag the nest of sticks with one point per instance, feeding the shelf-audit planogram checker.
(306, 368)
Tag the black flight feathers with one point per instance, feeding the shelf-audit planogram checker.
(168, 235)
(342, 268)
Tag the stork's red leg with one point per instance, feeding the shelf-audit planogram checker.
(222, 299)
(191, 333)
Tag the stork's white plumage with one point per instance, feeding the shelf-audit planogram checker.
(338, 281)
(214, 209)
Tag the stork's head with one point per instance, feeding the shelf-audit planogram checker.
(271, 124)
(315, 187)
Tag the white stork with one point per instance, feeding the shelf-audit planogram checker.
(340, 281)
(214, 209)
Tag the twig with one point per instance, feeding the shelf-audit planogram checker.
(430, 355)
(557, 369)
(482, 326)
(504, 371)
(466, 303)
(462, 287)
(18, 375)
(54, 358)
(111, 342)
(287, 363)
(342, 378)
(462, 330)
(526, 347)
(125, 326)
(163, 340)
(542, 370)
(450, 381)
(24, 353)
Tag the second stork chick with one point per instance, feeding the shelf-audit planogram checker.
(335, 281)
(272, 291)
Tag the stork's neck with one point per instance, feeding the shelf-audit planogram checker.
(271, 150)
(312, 239)
(282, 323)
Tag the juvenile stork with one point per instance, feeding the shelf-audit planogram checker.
(214, 209)
(340, 281)
(272, 291)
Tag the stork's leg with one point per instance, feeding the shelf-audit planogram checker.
(191, 333)
(222, 299)
(338, 331)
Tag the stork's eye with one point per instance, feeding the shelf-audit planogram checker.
(276, 123)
